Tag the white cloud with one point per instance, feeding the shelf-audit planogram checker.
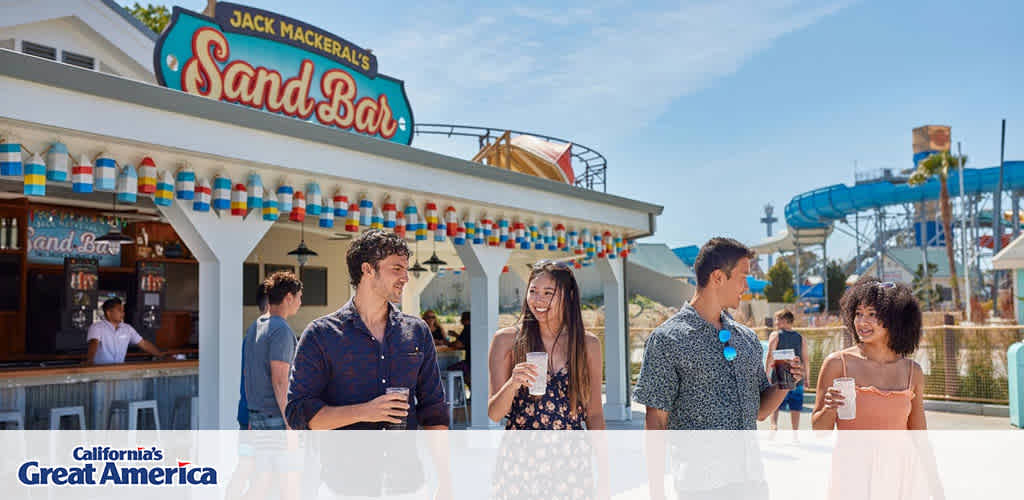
(592, 71)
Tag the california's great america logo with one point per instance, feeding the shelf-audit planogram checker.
(102, 465)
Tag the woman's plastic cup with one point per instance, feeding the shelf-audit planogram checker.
(405, 420)
(540, 361)
(847, 386)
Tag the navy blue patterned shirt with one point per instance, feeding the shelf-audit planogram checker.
(338, 362)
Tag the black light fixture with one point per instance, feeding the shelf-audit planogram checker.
(416, 268)
(302, 253)
(433, 262)
(114, 236)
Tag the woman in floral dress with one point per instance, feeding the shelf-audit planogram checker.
(543, 464)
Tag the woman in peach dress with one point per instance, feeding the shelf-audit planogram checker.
(885, 321)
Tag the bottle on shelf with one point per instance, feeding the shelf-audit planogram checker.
(3, 233)
(12, 240)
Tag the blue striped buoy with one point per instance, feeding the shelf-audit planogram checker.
(314, 199)
(10, 159)
(185, 185)
(35, 177)
(284, 199)
(441, 231)
(164, 190)
(254, 192)
(340, 206)
(104, 173)
(377, 219)
(460, 233)
(127, 185)
(57, 163)
(269, 206)
(201, 203)
(221, 193)
(365, 212)
(327, 214)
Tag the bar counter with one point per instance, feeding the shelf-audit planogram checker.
(35, 390)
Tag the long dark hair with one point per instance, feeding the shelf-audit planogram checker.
(528, 338)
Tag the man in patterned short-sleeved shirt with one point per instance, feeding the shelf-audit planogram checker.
(694, 374)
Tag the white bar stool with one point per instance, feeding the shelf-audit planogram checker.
(455, 395)
(67, 411)
(133, 408)
(13, 416)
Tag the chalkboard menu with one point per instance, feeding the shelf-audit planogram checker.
(148, 303)
(81, 277)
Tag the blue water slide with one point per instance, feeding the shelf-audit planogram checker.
(820, 208)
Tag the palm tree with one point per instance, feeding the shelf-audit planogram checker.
(938, 165)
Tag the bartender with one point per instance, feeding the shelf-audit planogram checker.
(109, 338)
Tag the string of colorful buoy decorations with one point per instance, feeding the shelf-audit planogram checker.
(294, 203)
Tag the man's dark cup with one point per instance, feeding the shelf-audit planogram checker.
(401, 426)
(781, 376)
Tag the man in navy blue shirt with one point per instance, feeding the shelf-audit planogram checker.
(346, 360)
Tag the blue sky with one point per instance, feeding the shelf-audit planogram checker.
(710, 108)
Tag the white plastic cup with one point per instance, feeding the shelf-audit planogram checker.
(847, 386)
(540, 361)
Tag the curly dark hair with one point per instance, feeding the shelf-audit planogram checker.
(719, 253)
(372, 247)
(277, 286)
(895, 307)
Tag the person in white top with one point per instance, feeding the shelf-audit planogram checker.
(109, 339)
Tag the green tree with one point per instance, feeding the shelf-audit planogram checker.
(923, 289)
(780, 280)
(789, 297)
(938, 165)
(836, 284)
(155, 17)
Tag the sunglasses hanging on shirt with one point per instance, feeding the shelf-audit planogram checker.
(729, 352)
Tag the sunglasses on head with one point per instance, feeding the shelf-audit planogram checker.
(557, 264)
(886, 284)
(729, 352)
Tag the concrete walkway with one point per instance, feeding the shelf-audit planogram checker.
(936, 420)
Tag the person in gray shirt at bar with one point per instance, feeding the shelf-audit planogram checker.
(702, 369)
(268, 350)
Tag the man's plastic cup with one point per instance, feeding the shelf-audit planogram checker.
(781, 376)
(848, 387)
(404, 420)
(539, 360)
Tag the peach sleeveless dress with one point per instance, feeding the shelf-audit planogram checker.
(878, 409)
(881, 465)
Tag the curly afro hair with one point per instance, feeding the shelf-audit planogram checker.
(895, 307)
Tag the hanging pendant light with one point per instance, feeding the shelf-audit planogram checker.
(416, 268)
(115, 236)
(433, 262)
(302, 253)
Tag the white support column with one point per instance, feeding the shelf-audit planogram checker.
(221, 244)
(617, 406)
(411, 294)
(483, 265)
